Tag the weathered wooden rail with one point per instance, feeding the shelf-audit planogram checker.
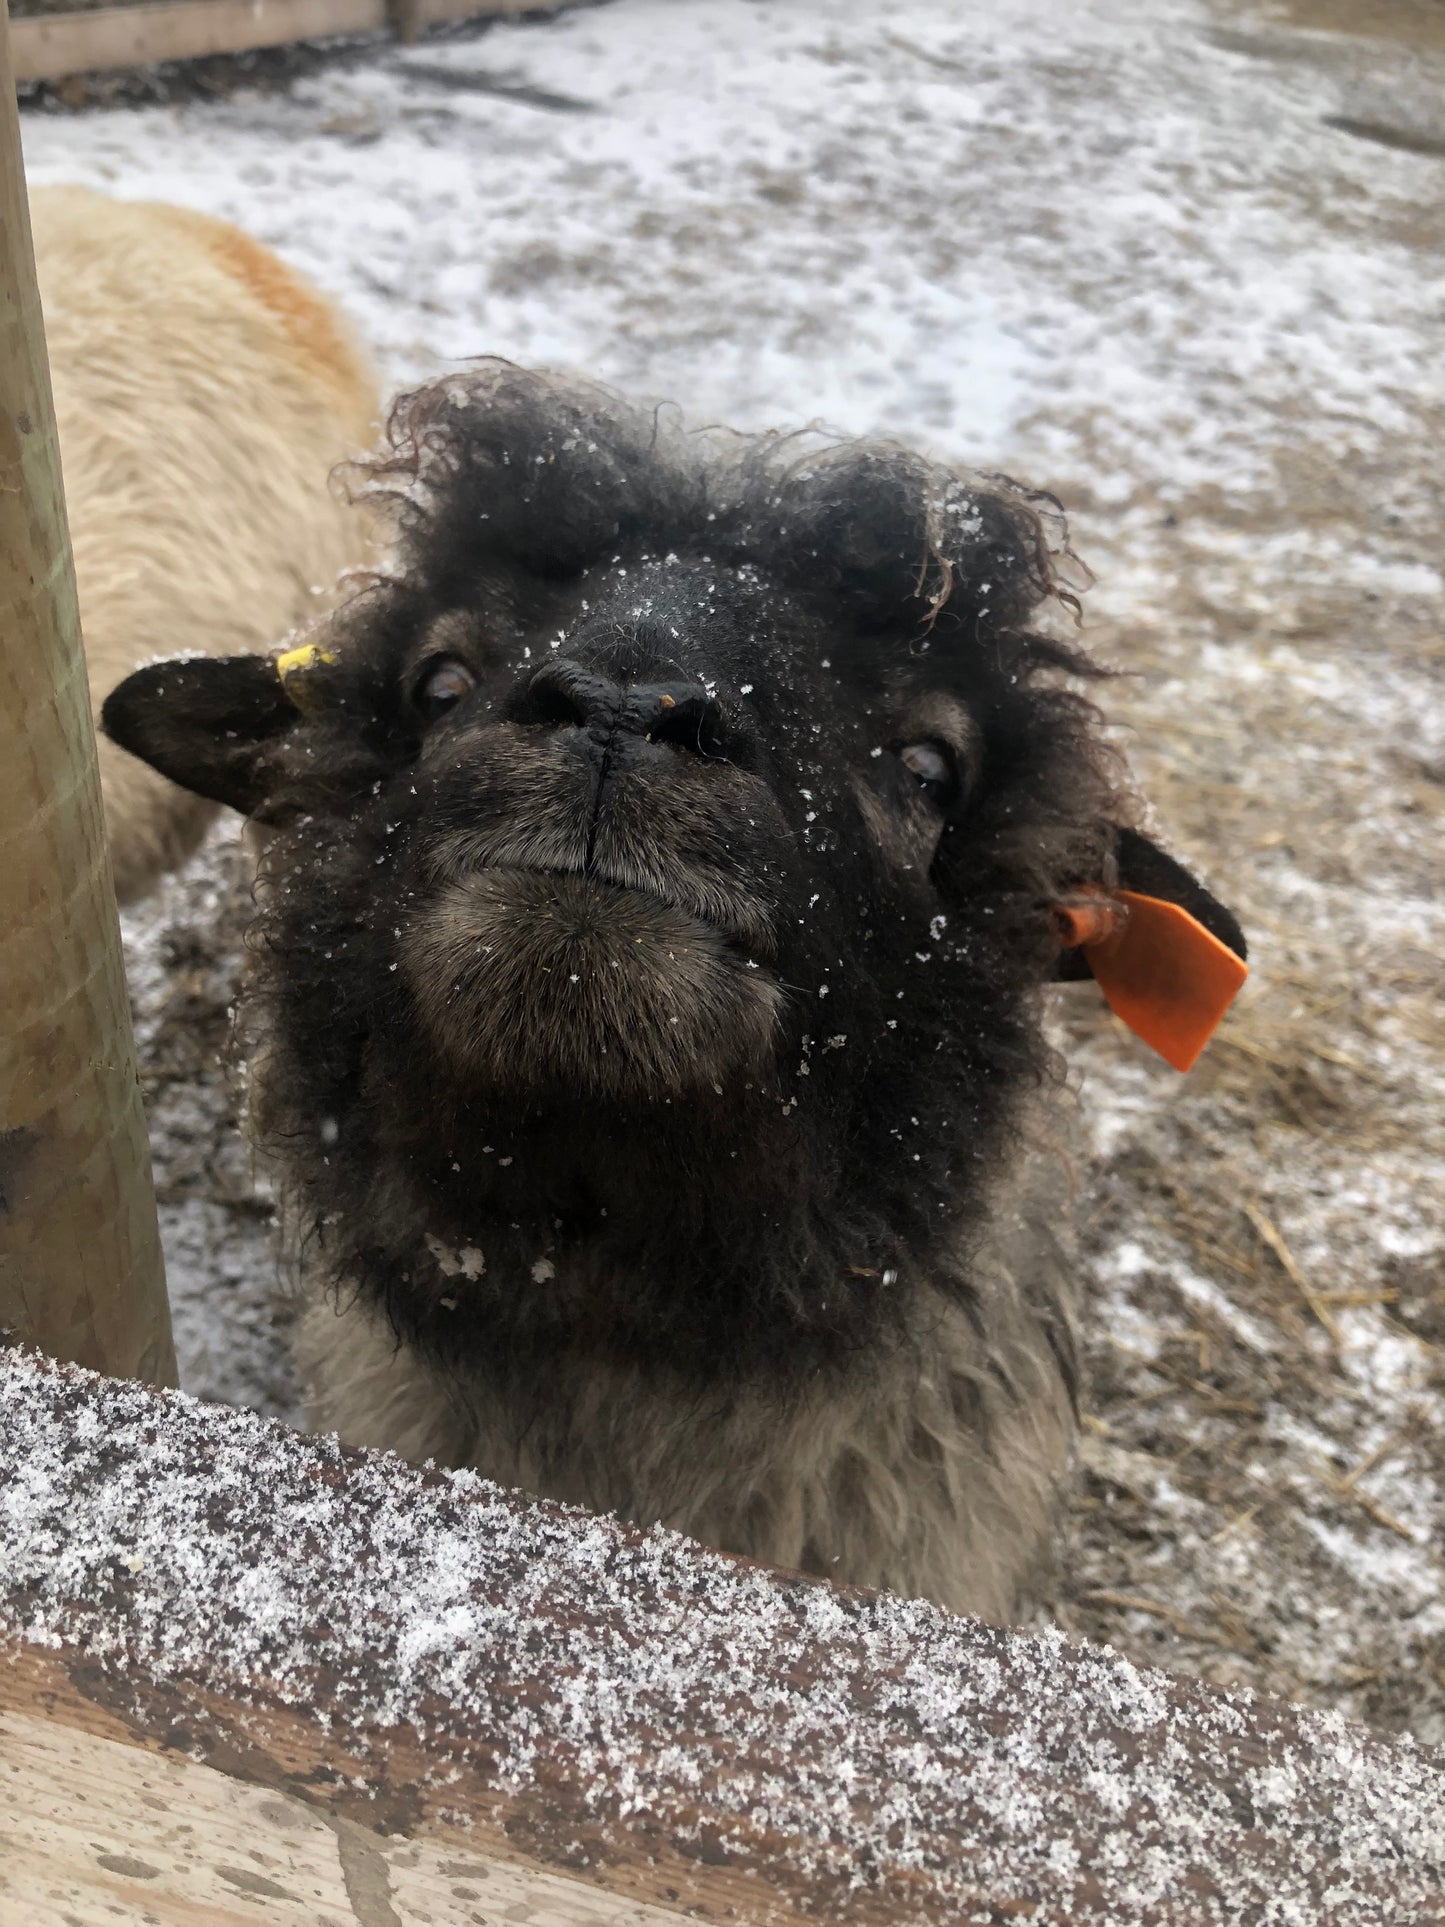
(56, 45)
(247, 1676)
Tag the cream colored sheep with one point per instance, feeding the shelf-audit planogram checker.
(203, 392)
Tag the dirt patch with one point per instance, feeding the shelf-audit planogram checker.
(1413, 23)
(1264, 1451)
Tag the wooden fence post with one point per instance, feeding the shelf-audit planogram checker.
(81, 1274)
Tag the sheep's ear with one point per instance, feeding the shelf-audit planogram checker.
(208, 723)
(1146, 870)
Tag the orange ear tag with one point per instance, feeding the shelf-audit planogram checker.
(1167, 977)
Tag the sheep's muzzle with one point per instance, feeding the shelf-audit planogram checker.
(533, 982)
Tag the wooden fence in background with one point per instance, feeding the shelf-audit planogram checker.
(54, 46)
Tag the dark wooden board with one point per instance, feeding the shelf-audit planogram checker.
(415, 1652)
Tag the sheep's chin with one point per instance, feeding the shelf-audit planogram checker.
(542, 984)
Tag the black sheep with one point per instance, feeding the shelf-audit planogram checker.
(661, 887)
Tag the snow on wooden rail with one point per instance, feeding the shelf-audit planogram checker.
(246, 1676)
(52, 46)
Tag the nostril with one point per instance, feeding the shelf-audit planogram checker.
(564, 694)
(683, 714)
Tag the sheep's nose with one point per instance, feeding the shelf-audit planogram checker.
(563, 694)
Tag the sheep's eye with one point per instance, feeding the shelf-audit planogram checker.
(933, 770)
(441, 685)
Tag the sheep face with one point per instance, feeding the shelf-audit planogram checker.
(600, 865)
(659, 899)
(649, 838)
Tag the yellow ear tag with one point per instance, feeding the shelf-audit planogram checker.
(1162, 973)
(292, 667)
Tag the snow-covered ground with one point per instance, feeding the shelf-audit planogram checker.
(1185, 264)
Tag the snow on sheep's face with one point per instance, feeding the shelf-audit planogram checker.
(653, 839)
(663, 865)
